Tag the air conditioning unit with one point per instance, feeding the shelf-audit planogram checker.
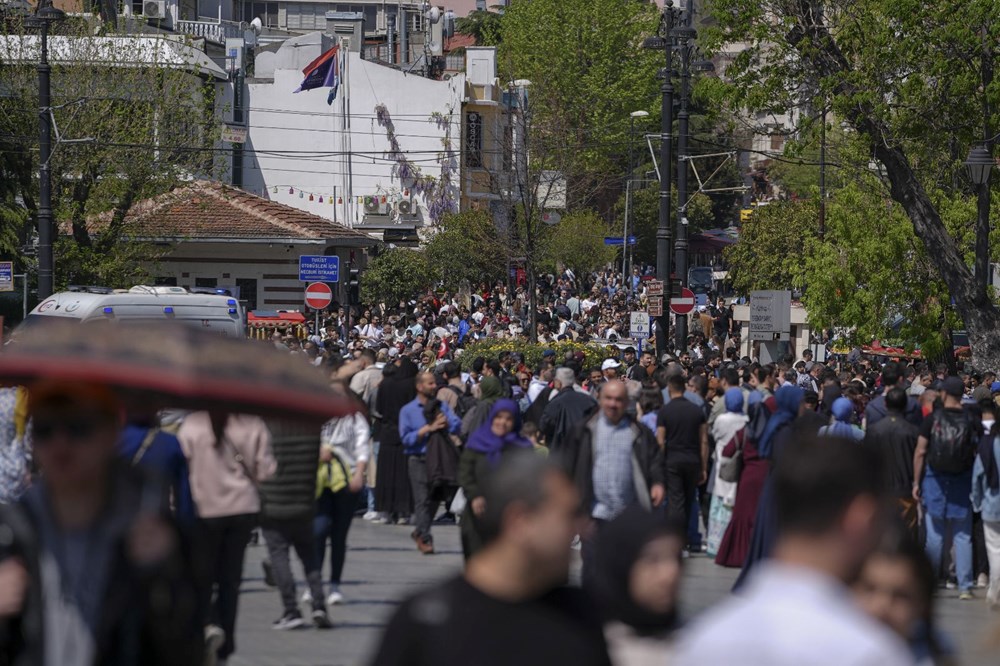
(405, 207)
(154, 9)
(373, 206)
(380, 20)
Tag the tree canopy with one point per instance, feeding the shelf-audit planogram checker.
(396, 275)
(577, 242)
(913, 81)
(467, 248)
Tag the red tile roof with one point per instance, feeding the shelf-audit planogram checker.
(207, 209)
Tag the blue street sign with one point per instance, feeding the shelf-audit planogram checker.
(618, 240)
(319, 269)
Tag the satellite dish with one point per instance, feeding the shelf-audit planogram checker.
(434, 14)
(434, 47)
(256, 25)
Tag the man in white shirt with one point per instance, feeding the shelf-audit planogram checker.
(795, 608)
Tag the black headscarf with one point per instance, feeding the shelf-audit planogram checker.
(618, 547)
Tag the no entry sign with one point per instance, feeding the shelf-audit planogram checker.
(318, 296)
(684, 303)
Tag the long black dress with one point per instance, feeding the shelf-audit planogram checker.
(392, 484)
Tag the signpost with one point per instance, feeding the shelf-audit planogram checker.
(319, 296)
(684, 303)
(655, 307)
(770, 316)
(654, 287)
(319, 268)
(234, 134)
(6, 276)
(639, 325)
(619, 240)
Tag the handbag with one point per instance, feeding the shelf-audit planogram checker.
(731, 468)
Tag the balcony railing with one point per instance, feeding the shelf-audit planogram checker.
(211, 30)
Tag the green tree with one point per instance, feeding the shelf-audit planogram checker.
(577, 242)
(483, 25)
(871, 275)
(467, 248)
(913, 80)
(588, 72)
(645, 218)
(396, 275)
(130, 124)
(770, 250)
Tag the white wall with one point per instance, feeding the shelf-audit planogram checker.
(316, 139)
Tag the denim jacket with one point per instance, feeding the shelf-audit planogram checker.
(983, 498)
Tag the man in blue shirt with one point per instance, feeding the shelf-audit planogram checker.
(415, 431)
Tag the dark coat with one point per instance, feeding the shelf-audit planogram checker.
(149, 615)
(578, 459)
(895, 438)
(562, 414)
(291, 493)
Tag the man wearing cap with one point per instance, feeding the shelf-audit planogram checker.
(610, 368)
(892, 376)
(567, 408)
(942, 480)
(630, 362)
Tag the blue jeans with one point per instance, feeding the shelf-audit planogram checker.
(960, 530)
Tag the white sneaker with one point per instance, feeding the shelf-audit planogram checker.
(215, 636)
(307, 597)
(335, 598)
(380, 519)
(983, 581)
(371, 515)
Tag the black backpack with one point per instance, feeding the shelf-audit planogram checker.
(465, 403)
(952, 445)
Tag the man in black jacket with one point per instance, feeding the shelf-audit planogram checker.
(614, 462)
(568, 408)
(896, 441)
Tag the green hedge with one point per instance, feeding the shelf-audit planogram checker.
(491, 348)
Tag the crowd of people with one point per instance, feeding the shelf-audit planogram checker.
(123, 531)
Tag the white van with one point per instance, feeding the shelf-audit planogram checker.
(215, 311)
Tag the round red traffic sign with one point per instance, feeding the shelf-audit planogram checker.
(684, 303)
(318, 296)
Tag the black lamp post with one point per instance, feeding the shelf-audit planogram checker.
(42, 20)
(980, 163)
(664, 235)
(684, 34)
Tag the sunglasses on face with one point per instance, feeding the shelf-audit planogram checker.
(76, 429)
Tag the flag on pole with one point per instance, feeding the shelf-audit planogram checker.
(323, 72)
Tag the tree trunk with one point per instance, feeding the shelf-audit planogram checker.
(817, 46)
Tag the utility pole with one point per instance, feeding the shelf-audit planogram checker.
(42, 19)
(664, 236)
(822, 174)
(684, 33)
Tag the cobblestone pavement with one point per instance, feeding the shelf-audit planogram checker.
(383, 566)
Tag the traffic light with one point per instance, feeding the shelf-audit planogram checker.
(354, 287)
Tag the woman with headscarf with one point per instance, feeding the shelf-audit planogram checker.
(729, 427)
(843, 412)
(393, 497)
(497, 436)
(638, 566)
(776, 436)
(490, 390)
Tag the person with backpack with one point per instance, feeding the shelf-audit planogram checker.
(455, 393)
(942, 480)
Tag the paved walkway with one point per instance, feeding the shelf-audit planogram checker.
(383, 566)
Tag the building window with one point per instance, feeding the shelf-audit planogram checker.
(165, 282)
(206, 282)
(248, 292)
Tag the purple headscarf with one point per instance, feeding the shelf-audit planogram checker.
(484, 441)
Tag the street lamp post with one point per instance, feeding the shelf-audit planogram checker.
(44, 17)
(980, 163)
(664, 236)
(628, 194)
(684, 34)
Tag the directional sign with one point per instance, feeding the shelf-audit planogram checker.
(770, 315)
(655, 307)
(639, 325)
(684, 303)
(654, 287)
(6, 276)
(618, 240)
(319, 268)
(318, 296)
